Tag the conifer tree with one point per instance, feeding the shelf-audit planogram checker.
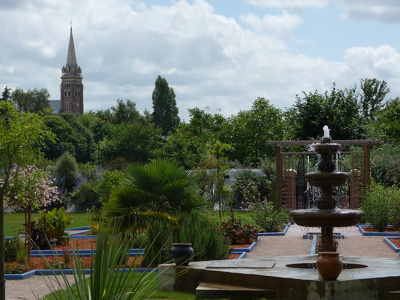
(165, 114)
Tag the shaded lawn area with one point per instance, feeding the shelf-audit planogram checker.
(13, 222)
(158, 294)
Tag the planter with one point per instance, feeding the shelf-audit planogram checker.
(329, 265)
(182, 253)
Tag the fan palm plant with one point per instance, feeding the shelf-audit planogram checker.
(162, 187)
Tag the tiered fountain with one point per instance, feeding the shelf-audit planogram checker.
(326, 215)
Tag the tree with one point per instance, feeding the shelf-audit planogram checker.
(29, 189)
(188, 144)
(338, 109)
(249, 130)
(31, 101)
(67, 172)
(386, 126)
(20, 134)
(125, 112)
(133, 142)
(165, 114)
(373, 94)
(6, 95)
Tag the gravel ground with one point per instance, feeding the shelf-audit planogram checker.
(290, 244)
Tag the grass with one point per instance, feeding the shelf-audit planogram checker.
(159, 294)
(13, 222)
(244, 215)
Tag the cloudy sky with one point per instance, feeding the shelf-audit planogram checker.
(217, 55)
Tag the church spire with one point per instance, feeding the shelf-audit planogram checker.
(71, 57)
(71, 68)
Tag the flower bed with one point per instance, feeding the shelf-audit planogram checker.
(369, 230)
(393, 243)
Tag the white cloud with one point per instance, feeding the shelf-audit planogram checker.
(386, 11)
(294, 4)
(281, 25)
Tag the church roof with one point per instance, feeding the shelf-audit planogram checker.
(55, 106)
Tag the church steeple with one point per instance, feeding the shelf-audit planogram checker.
(71, 82)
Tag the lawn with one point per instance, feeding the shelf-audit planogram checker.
(13, 222)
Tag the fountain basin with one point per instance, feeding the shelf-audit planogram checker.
(326, 217)
(366, 278)
(327, 179)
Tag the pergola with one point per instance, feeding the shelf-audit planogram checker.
(290, 170)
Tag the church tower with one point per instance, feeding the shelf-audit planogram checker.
(71, 83)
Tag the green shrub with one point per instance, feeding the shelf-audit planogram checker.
(381, 206)
(250, 186)
(50, 227)
(238, 232)
(16, 268)
(14, 250)
(159, 236)
(268, 218)
(208, 242)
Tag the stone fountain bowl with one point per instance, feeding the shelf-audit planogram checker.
(327, 179)
(327, 148)
(326, 218)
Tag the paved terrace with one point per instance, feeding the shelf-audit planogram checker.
(290, 244)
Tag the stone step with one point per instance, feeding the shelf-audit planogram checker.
(223, 291)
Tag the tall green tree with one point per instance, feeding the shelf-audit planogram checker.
(373, 93)
(165, 111)
(20, 134)
(6, 95)
(249, 130)
(338, 109)
(33, 101)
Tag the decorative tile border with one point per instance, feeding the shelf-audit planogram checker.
(390, 244)
(275, 233)
(375, 233)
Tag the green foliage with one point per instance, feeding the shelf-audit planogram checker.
(250, 187)
(107, 279)
(31, 101)
(134, 142)
(109, 181)
(165, 111)
(238, 232)
(67, 172)
(84, 141)
(85, 195)
(50, 227)
(14, 250)
(385, 164)
(373, 94)
(338, 109)
(249, 130)
(268, 218)
(124, 112)
(159, 236)
(386, 127)
(381, 206)
(160, 186)
(16, 268)
(207, 240)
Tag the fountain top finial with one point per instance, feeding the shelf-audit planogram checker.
(327, 137)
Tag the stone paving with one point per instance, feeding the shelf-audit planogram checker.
(290, 244)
